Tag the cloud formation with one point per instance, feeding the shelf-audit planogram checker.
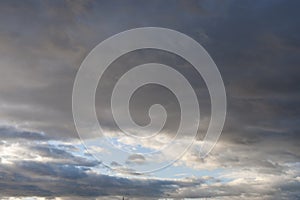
(255, 46)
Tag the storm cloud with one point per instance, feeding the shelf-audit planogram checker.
(255, 45)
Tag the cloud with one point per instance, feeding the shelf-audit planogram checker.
(136, 159)
(53, 179)
(254, 46)
(11, 133)
(57, 170)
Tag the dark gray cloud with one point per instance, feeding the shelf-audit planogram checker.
(48, 179)
(10, 133)
(255, 45)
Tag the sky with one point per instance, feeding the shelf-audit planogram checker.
(256, 46)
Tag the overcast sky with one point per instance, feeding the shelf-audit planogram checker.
(256, 46)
